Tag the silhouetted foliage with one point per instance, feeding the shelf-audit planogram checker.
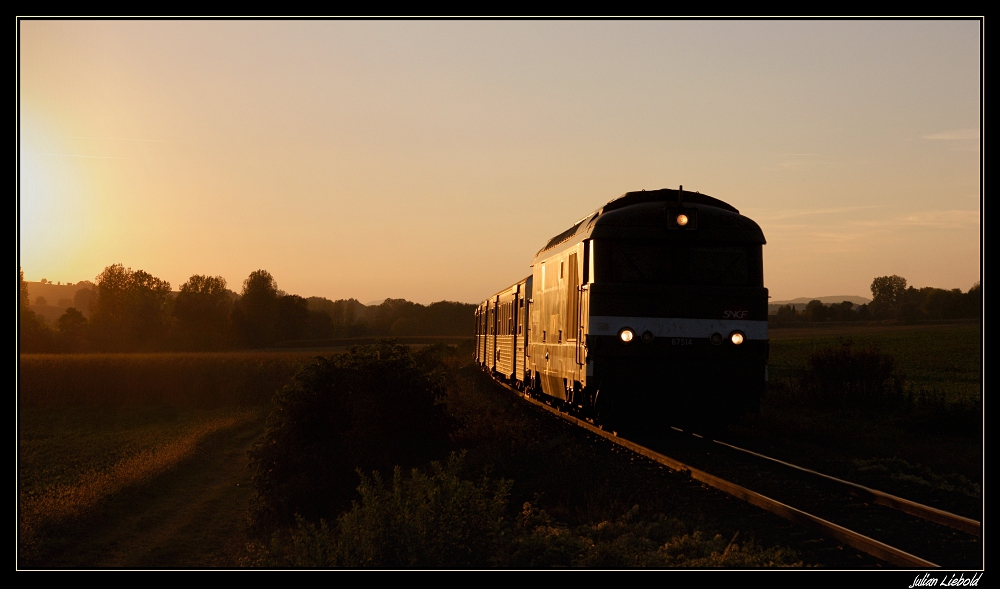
(344, 315)
(888, 289)
(82, 300)
(72, 335)
(255, 314)
(420, 521)
(816, 311)
(131, 310)
(853, 378)
(893, 301)
(33, 334)
(371, 408)
(203, 308)
(293, 318)
(396, 317)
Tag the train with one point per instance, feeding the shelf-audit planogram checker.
(649, 311)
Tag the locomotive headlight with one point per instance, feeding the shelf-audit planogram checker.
(627, 335)
(736, 337)
(716, 338)
(682, 220)
(647, 337)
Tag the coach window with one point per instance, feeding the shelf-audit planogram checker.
(543, 276)
(561, 264)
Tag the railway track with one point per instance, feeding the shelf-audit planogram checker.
(898, 531)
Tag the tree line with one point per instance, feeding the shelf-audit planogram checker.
(892, 299)
(133, 311)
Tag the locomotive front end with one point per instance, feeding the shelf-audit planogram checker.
(676, 323)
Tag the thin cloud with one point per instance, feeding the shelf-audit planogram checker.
(798, 164)
(950, 219)
(955, 135)
(778, 215)
(116, 139)
(861, 235)
(96, 157)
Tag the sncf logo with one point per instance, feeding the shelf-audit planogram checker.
(736, 314)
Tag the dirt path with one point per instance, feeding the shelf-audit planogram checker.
(190, 517)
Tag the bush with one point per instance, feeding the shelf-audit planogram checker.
(424, 521)
(421, 521)
(370, 409)
(853, 378)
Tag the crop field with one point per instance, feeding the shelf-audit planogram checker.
(945, 360)
(94, 430)
(928, 447)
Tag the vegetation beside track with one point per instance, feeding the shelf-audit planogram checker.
(526, 491)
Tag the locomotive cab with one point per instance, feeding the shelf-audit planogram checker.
(653, 308)
(670, 308)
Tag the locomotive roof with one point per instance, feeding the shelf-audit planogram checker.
(668, 196)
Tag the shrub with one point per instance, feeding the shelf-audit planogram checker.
(370, 408)
(421, 521)
(853, 378)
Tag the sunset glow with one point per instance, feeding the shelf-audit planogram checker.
(372, 159)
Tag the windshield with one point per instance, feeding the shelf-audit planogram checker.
(660, 262)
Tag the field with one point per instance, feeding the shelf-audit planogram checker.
(100, 435)
(929, 449)
(140, 460)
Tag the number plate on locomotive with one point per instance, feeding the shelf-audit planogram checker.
(681, 341)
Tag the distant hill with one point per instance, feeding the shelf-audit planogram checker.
(801, 302)
(57, 298)
(826, 300)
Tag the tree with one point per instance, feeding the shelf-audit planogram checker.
(23, 300)
(130, 311)
(816, 311)
(72, 331)
(255, 315)
(33, 334)
(293, 318)
(888, 290)
(973, 306)
(203, 308)
(83, 298)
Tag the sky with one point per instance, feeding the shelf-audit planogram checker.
(430, 160)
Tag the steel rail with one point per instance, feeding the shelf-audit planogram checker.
(854, 539)
(958, 522)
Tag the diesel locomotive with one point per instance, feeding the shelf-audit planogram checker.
(652, 309)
